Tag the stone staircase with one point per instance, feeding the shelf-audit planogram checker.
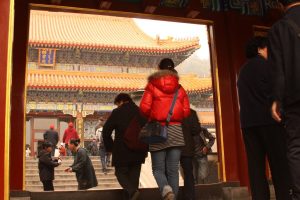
(67, 181)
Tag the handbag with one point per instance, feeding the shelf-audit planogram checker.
(153, 132)
(131, 136)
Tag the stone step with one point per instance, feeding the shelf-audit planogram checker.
(62, 170)
(67, 181)
(236, 193)
(70, 175)
(35, 166)
(70, 181)
(72, 187)
(63, 158)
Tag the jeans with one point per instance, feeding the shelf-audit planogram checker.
(187, 166)
(68, 151)
(201, 170)
(165, 168)
(104, 157)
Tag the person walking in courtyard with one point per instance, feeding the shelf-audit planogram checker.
(51, 136)
(127, 162)
(82, 166)
(284, 39)
(46, 166)
(191, 128)
(155, 106)
(203, 147)
(69, 133)
(263, 136)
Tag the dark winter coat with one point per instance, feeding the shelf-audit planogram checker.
(84, 169)
(285, 56)
(191, 128)
(119, 120)
(51, 136)
(254, 90)
(158, 96)
(46, 166)
(204, 135)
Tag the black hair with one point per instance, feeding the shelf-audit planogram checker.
(287, 2)
(166, 63)
(74, 141)
(122, 97)
(253, 45)
(45, 145)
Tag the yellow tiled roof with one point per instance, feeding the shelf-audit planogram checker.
(63, 30)
(206, 118)
(99, 81)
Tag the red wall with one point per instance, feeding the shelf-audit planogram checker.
(232, 30)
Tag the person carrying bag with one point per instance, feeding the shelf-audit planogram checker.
(165, 122)
(153, 132)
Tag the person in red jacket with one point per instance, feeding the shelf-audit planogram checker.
(70, 133)
(155, 105)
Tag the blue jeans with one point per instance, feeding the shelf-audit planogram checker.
(165, 167)
(200, 169)
(104, 157)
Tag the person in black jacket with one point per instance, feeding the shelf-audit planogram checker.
(191, 128)
(284, 39)
(51, 136)
(202, 149)
(126, 161)
(46, 166)
(263, 137)
(82, 166)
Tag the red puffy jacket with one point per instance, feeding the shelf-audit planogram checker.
(70, 133)
(158, 96)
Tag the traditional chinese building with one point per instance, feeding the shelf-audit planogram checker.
(78, 63)
(229, 25)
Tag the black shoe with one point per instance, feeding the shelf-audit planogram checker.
(135, 195)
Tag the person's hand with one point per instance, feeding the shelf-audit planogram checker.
(205, 150)
(275, 111)
(69, 169)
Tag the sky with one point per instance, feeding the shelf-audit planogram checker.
(199, 62)
(177, 30)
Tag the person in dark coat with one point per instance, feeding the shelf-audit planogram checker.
(202, 148)
(191, 128)
(284, 38)
(127, 162)
(46, 166)
(82, 166)
(51, 136)
(263, 137)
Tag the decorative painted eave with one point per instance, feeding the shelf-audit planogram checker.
(99, 81)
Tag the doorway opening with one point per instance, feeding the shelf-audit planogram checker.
(77, 64)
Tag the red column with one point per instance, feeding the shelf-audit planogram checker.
(5, 68)
(17, 145)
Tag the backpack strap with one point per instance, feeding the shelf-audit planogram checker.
(172, 106)
(295, 26)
